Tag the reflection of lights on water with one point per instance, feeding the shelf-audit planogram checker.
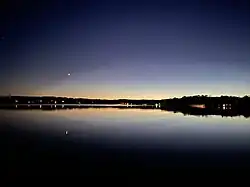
(66, 132)
(62, 106)
(198, 106)
(40, 106)
(224, 106)
(16, 106)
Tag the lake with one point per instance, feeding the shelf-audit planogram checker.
(55, 141)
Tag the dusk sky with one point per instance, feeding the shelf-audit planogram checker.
(125, 48)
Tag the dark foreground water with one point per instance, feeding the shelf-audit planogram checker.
(111, 141)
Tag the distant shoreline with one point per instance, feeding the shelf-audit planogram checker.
(87, 105)
(199, 104)
(194, 111)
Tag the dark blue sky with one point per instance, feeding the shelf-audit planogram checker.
(125, 49)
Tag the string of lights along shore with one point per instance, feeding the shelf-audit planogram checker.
(152, 49)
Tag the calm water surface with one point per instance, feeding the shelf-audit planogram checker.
(135, 128)
(113, 141)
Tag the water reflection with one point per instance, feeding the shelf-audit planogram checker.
(91, 134)
(195, 111)
(135, 126)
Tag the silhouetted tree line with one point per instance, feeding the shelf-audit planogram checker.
(65, 100)
(224, 105)
(209, 102)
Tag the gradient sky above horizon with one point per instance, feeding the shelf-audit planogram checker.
(125, 49)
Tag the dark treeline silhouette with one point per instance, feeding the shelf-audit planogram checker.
(204, 105)
(193, 105)
(208, 112)
(71, 107)
(223, 102)
(203, 112)
(66, 100)
(209, 102)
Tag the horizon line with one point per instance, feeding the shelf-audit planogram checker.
(121, 98)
